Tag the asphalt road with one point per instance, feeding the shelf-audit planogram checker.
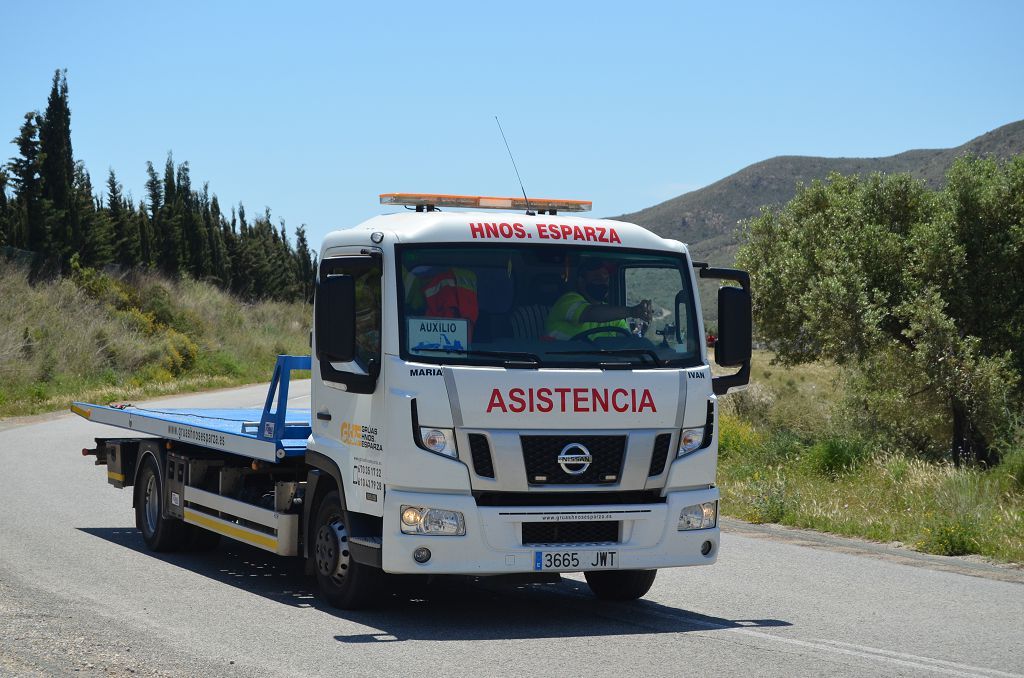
(80, 594)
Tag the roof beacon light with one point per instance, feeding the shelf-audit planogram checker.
(431, 200)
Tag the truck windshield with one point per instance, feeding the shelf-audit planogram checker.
(546, 306)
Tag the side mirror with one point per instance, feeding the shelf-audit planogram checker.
(335, 304)
(734, 327)
(733, 347)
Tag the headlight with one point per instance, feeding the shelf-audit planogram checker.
(439, 440)
(699, 516)
(420, 520)
(690, 440)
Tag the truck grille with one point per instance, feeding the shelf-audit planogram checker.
(480, 450)
(540, 455)
(660, 454)
(591, 532)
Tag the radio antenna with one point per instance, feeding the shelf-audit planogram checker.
(528, 210)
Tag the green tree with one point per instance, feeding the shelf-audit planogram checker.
(145, 227)
(304, 263)
(33, 216)
(96, 249)
(154, 191)
(125, 231)
(921, 291)
(5, 216)
(57, 169)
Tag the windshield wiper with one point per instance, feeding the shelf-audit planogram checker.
(649, 352)
(510, 357)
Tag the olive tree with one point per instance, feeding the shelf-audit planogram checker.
(924, 289)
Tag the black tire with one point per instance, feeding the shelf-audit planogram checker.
(345, 583)
(159, 533)
(620, 584)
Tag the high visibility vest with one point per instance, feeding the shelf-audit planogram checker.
(564, 320)
(452, 294)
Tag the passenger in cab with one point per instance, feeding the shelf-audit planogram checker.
(585, 307)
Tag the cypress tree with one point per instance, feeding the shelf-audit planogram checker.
(241, 219)
(154, 191)
(145, 227)
(169, 193)
(28, 231)
(125, 233)
(304, 265)
(96, 249)
(57, 168)
(4, 211)
(193, 230)
(218, 247)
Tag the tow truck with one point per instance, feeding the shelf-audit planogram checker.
(452, 430)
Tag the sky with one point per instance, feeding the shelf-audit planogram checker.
(315, 108)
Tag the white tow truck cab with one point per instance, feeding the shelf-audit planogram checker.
(482, 404)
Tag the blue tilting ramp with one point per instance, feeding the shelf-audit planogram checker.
(272, 434)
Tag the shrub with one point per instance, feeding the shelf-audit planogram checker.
(1011, 453)
(736, 436)
(780, 447)
(956, 537)
(179, 353)
(770, 501)
(1013, 467)
(896, 468)
(833, 456)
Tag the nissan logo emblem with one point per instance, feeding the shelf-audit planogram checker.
(575, 459)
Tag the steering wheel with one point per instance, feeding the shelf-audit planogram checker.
(615, 329)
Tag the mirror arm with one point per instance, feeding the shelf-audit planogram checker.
(708, 271)
(721, 385)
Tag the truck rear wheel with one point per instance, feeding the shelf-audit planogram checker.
(620, 584)
(159, 533)
(344, 582)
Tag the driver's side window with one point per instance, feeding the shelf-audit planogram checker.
(660, 285)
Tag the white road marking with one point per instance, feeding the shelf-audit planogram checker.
(850, 649)
(912, 657)
(862, 651)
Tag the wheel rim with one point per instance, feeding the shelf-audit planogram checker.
(332, 554)
(152, 502)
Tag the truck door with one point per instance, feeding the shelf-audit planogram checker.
(347, 402)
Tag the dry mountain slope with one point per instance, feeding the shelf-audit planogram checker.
(707, 218)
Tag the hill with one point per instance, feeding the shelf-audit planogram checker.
(707, 218)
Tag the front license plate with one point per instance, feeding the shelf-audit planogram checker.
(574, 561)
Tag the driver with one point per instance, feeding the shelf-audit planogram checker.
(585, 307)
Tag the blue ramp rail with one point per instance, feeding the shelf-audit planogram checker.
(274, 426)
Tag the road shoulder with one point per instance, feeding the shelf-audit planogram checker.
(975, 566)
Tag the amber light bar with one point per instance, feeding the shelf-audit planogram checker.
(484, 202)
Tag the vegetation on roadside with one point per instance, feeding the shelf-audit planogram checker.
(793, 450)
(920, 292)
(103, 338)
(891, 407)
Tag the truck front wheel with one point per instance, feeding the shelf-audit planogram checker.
(344, 582)
(620, 584)
(159, 533)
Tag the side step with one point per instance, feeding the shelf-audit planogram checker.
(259, 527)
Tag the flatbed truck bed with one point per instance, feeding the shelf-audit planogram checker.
(235, 431)
(233, 446)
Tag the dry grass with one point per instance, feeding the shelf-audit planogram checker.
(788, 454)
(93, 337)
